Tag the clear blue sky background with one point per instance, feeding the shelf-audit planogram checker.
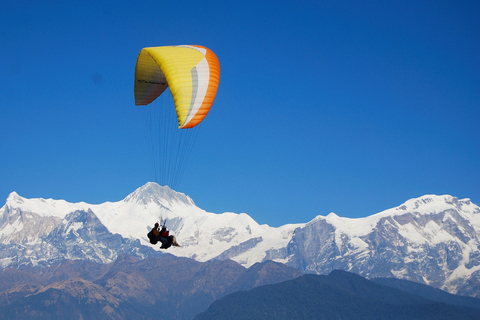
(350, 107)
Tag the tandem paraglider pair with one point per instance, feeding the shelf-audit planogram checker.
(162, 235)
(191, 73)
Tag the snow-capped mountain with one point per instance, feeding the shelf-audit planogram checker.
(432, 239)
(203, 235)
(28, 238)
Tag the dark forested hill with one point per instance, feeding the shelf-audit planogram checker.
(429, 292)
(340, 295)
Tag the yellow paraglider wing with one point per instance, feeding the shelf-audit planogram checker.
(191, 72)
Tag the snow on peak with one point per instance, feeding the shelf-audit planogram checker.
(332, 216)
(152, 192)
(434, 203)
(425, 202)
(14, 199)
(42, 207)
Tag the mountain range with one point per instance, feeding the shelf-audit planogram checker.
(431, 240)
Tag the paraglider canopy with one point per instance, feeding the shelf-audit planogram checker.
(191, 72)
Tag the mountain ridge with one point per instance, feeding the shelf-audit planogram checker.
(165, 287)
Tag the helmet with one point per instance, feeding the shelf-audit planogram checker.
(156, 225)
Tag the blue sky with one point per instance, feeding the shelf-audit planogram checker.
(350, 107)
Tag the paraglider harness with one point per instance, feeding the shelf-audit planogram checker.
(161, 235)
